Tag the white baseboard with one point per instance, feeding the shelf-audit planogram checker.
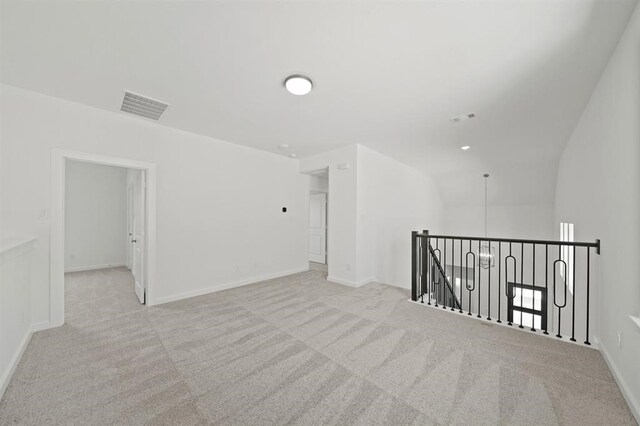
(355, 284)
(225, 286)
(6, 377)
(93, 267)
(39, 326)
(622, 384)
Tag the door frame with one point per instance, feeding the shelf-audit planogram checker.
(130, 214)
(56, 241)
(329, 250)
(326, 225)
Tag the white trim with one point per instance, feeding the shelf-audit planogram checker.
(228, 285)
(15, 360)
(355, 284)
(56, 270)
(39, 326)
(94, 267)
(624, 388)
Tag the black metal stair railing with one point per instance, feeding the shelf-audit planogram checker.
(441, 289)
(542, 285)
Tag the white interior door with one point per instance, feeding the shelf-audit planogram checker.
(318, 228)
(138, 238)
(130, 218)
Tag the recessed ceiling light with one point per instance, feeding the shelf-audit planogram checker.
(298, 84)
(283, 146)
(464, 148)
(292, 155)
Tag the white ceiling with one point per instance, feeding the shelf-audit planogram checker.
(387, 75)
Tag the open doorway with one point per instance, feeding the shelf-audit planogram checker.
(104, 240)
(318, 220)
(102, 236)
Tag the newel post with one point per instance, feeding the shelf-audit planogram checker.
(414, 266)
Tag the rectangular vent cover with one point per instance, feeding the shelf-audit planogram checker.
(143, 106)
(462, 117)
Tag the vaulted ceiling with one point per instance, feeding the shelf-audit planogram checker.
(387, 75)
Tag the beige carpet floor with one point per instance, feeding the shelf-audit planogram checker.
(296, 350)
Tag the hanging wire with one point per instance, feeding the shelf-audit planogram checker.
(485, 176)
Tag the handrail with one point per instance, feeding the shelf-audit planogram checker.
(444, 275)
(596, 244)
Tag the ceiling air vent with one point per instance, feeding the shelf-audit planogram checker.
(462, 117)
(143, 106)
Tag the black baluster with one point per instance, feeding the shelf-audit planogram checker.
(430, 272)
(461, 298)
(453, 264)
(521, 282)
(586, 342)
(533, 284)
(422, 266)
(499, 278)
(414, 267)
(546, 283)
(444, 270)
(510, 292)
(489, 285)
(479, 281)
(573, 302)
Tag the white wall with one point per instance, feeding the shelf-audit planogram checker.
(95, 216)
(15, 304)
(598, 189)
(373, 207)
(534, 221)
(219, 218)
(393, 200)
(318, 183)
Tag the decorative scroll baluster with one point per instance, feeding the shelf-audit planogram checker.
(509, 291)
(479, 282)
(437, 276)
(564, 279)
(473, 274)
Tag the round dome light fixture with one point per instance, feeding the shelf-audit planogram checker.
(298, 84)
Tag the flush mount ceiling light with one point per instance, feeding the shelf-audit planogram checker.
(283, 146)
(293, 155)
(464, 148)
(298, 85)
